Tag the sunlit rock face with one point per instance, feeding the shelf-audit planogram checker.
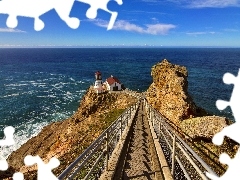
(169, 92)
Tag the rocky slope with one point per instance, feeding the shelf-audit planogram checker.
(169, 95)
(68, 138)
(203, 127)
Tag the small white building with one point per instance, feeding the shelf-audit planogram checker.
(98, 86)
(113, 84)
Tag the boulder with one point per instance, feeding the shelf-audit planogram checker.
(169, 92)
(203, 127)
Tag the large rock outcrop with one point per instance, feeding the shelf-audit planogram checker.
(67, 139)
(203, 127)
(169, 95)
(169, 92)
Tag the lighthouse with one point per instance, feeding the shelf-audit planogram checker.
(98, 86)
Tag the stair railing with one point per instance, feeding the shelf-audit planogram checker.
(181, 158)
(92, 162)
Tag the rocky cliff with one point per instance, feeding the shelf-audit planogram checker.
(169, 92)
(169, 95)
(67, 139)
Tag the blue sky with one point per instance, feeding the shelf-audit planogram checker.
(139, 23)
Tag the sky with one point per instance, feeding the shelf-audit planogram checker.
(147, 23)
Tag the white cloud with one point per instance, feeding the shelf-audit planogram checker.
(201, 3)
(127, 26)
(231, 30)
(200, 33)
(159, 28)
(9, 30)
(214, 3)
(154, 29)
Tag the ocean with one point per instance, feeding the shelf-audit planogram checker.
(40, 86)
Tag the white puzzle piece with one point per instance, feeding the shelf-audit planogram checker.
(8, 132)
(44, 170)
(101, 4)
(231, 131)
(8, 141)
(36, 8)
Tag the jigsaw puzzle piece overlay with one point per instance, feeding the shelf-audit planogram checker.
(18, 176)
(8, 133)
(8, 141)
(229, 131)
(3, 165)
(44, 170)
(232, 130)
(63, 9)
(232, 172)
(95, 5)
(36, 8)
(235, 98)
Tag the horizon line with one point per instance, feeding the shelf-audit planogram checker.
(109, 46)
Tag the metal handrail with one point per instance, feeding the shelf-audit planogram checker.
(91, 163)
(182, 159)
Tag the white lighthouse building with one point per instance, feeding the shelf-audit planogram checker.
(98, 86)
(113, 84)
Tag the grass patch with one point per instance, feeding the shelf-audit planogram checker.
(111, 117)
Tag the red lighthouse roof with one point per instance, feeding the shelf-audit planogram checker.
(111, 80)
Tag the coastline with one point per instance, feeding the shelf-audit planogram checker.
(68, 138)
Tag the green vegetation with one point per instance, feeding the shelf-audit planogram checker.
(111, 117)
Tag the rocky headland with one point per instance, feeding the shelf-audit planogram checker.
(168, 94)
(67, 139)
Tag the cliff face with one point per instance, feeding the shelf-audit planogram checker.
(203, 127)
(168, 92)
(169, 95)
(67, 139)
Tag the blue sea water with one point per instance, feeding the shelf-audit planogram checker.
(40, 86)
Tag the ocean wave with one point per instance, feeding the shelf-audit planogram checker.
(16, 85)
(42, 96)
(81, 91)
(9, 79)
(38, 83)
(22, 134)
(28, 92)
(68, 93)
(11, 95)
(58, 116)
(72, 79)
(47, 96)
(12, 88)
